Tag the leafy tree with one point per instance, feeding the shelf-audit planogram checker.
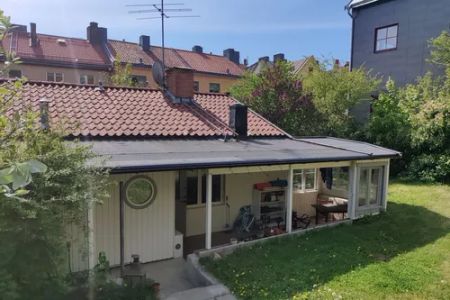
(121, 75)
(440, 46)
(277, 94)
(59, 190)
(334, 91)
(416, 120)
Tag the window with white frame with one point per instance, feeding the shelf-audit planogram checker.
(305, 180)
(191, 187)
(86, 79)
(55, 76)
(386, 38)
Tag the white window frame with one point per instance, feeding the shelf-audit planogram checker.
(54, 76)
(302, 173)
(199, 203)
(369, 180)
(86, 79)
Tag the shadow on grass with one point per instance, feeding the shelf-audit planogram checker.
(294, 264)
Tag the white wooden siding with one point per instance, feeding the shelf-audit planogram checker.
(149, 232)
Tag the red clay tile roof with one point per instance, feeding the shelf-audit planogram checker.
(175, 58)
(218, 104)
(73, 51)
(80, 51)
(128, 112)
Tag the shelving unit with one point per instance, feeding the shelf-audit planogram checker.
(269, 205)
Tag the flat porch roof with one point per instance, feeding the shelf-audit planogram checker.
(124, 156)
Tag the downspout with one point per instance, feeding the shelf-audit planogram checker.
(350, 13)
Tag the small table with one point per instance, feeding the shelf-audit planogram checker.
(327, 208)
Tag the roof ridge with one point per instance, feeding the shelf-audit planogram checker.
(49, 83)
(171, 48)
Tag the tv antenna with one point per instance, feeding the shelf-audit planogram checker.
(160, 12)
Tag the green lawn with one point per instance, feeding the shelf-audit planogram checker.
(401, 254)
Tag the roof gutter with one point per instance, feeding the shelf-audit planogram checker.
(174, 167)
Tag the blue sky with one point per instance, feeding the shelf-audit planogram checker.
(254, 27)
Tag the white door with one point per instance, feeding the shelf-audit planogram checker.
(369, 190)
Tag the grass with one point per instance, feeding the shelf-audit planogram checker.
(401, 254)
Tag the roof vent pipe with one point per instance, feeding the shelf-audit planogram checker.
(44, 113)
(238, 119)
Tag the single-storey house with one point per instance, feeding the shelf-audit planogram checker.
(195, 171)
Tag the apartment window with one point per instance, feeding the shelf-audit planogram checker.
(139, 80)
(55, 77)
(305, 180)
(191, 185)
(87, 79)
(196, 86)
(14, 73)
(386, 38)
(214, 87)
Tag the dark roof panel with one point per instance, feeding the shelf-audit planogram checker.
(141, 155)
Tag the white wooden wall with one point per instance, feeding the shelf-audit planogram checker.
(149, 232)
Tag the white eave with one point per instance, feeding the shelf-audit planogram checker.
(359, 3)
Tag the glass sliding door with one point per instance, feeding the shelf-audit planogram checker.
(370, 186)
(375, 186)
(363, 187)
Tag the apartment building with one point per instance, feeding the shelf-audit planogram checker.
(88, 61)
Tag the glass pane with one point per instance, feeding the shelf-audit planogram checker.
(214, 88)
(50, 76)
(363, 187)
(391, 43)
(139, 191)
(381, 45)
(298, 181)
(310, 179)
(392, 31)
(374, 186)
(192, 187)
(381, 34)
(58, 77)
(340, 178)
(90, 79)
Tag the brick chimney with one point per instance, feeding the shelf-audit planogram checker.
(278, 57)
(238, 119)
(33, 35)
(232, 55)
(197, 49)
(96, 35)
(144, 42)
(180, 84)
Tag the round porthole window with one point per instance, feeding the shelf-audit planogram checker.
(140, 191)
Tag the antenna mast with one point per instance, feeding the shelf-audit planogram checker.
(161, 11)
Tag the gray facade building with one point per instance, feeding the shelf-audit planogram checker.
(391, 37)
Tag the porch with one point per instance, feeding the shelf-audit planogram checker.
(219, 207)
